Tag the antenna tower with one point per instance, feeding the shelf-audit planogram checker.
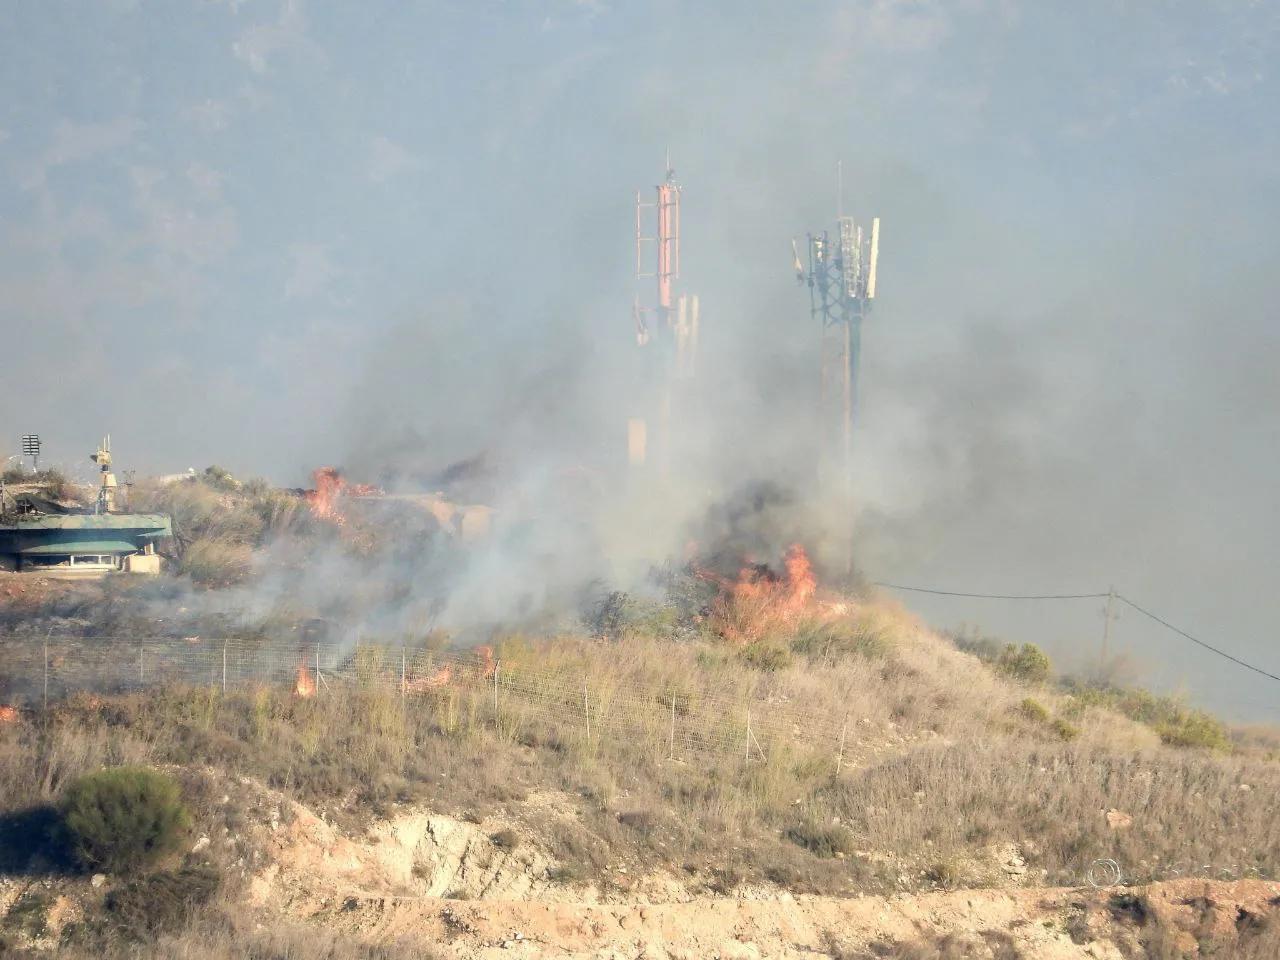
(841, 277)
(666, 321)
(107, 491)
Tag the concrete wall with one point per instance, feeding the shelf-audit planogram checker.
(142, 563)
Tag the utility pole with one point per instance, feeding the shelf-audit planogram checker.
(1108, 614)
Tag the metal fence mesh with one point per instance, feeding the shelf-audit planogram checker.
(36, 671)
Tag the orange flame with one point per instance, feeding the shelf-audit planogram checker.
(436, 680)
(8, 714)
(490, 665)
(445, 674)
(330, 488)
(305, 684)
(760, 600)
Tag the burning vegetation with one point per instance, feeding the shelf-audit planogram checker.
(762, 601)
(484, 668)
(325, 498)
(304, 684)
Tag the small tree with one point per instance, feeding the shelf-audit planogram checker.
(124, 818)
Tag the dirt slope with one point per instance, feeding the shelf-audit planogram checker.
(1053, 924)
(440, 883)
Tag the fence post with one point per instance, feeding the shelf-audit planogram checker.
(46, 673)
(142, 676)
(840, 755)
(224, 667)
(497, 666)
(317, 650)
(671, 751)
(748, 734)
(586, 709)
(402, 674)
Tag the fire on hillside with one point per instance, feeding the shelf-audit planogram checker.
(761, 600)
(330, 487)
(446, 674)
(305, 684)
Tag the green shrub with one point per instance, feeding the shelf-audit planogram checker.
(1177, 724)
(1027, 663)
(124, 818)
(767, 656)
(1195, 728)
(1064, 730)
(1033, 710)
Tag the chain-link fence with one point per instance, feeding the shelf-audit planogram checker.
(35, 672)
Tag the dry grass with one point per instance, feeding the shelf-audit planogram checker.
(877, 752)
(221, 930)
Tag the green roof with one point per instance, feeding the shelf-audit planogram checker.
(79, 546)
(149, 524)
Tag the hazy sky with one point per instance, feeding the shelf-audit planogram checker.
(270, 234)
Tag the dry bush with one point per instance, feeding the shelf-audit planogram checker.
(143, 908)
(213, 507)
(216, 562)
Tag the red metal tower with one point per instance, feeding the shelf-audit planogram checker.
(666, 322)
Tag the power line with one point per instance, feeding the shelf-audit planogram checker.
(994, 596)
(1084, 596)
(1207, 646)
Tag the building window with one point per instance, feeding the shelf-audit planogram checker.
(92, 560)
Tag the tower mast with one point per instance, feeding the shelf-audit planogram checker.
(666, 323)
(841, 277)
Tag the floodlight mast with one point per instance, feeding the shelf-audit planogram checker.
(31, 448)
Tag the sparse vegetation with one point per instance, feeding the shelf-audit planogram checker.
(28, 916)
(1176, 723)
(865, 633)
(1026, 663)
(216, 562)
(1033, 710)
(943, 759)
(160, 902)
(824, 840)
(505, 840)
(218, 521)
(51, 483)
